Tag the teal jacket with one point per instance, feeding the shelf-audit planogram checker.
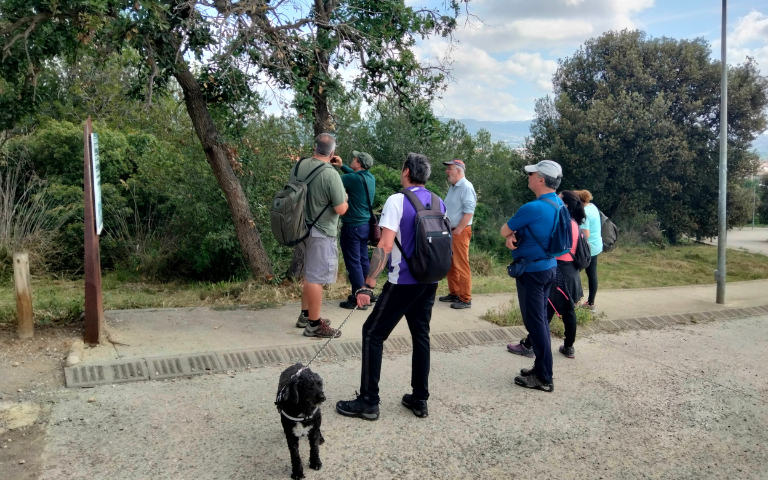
(358, 213)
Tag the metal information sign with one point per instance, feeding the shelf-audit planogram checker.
(96, 182)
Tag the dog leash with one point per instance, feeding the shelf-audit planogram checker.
(280, 393)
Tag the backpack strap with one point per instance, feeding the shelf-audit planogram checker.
(413, 199)
(557, 211)
(312, 175)
(418, 206)
(367, 195)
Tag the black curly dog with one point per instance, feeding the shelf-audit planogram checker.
(298, 400)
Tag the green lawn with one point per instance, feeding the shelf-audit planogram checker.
(631, 267)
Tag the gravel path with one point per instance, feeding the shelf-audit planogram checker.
(685, 402)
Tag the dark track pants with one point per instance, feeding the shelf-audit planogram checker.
(415, 303)
(533, 290)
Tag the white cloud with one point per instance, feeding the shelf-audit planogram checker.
(749, 39)
(513, 24)
(752, 28)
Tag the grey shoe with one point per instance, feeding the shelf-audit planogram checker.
(532, 381)
(303, 321)
(323, 330)
(567, 351)
(418, 407)
(449, 298)
(458, 304)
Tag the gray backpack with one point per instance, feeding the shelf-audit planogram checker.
(609, 231)
(289, 225)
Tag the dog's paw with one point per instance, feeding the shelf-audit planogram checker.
(297, 475)
(316, 465)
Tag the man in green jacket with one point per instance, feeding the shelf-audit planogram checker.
(355, 225)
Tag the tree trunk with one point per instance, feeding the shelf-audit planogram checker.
(218, 156)
(296, 270)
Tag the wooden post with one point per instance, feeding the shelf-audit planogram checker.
(23, 295)
(94, 310)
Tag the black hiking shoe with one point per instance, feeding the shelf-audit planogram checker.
(418, 407)
(449, 298)
(458, 304)
(567, 351)
(357, 408)
(532, 381)
(351, 303)
(526, 372)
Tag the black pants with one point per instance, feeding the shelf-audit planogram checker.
(561, 303)
(591, 272)
(415, 303)
(532, 292)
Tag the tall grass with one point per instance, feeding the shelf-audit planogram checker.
(28, 220)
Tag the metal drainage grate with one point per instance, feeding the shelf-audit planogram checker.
(106, 373)
(182, 365)
(160, 368)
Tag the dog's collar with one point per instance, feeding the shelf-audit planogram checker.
(299, 419)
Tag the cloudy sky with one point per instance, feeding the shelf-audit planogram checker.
(506, 58)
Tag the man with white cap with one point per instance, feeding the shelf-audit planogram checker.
(528, 235)
(460, 203)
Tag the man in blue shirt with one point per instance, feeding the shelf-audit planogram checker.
(537, 219)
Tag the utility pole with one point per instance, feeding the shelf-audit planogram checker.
(754, 199)
(721, 213)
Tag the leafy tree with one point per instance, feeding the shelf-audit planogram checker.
(636, 121)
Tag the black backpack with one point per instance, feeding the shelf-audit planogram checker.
(582, 257)
(433, 242)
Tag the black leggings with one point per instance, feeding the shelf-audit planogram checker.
(591, 272)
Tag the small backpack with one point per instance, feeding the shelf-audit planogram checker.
(432, 246)
(609, 231)
(561, 240)
(287, 215)
(582, 257)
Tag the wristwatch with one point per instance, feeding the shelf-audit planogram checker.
(368, 286)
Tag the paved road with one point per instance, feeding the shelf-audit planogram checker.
(685, 402)
(748, 239)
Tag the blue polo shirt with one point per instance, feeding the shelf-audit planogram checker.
(539, 217)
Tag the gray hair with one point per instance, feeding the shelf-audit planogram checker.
(325, 144)
(418, 167)
(551, 182)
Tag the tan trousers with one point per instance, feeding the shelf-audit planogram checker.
(460, 276)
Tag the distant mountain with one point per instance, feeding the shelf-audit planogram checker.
(511, 133)
(514, 133)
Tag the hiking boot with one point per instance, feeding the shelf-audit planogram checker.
(567, 351)
(526, 372)
(374, 298)
(520, 349)
(458, 304)
(449, 298)
(418, 407)
(351, 303)
(323, 330)
(357, 408)
(303, 321)
(532, 381)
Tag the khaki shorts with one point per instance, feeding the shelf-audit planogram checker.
(321, 263)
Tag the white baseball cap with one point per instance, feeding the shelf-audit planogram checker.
(547, 167)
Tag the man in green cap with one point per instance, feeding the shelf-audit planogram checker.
(355, 227)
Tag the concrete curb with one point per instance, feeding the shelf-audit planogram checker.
(161, 368)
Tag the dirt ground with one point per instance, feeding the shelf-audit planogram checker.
(29, 371)
(685, 402)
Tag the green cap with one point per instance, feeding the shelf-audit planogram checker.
(365, 159)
